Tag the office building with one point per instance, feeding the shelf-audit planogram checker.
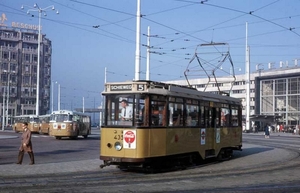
(18, 62)
(274, 91)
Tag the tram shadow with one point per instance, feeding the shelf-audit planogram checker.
(61, 151)
(79, 138)
(251, 151)
(238, 158)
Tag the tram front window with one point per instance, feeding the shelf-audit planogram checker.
(120, 110)
(61, 118)
(125, 110)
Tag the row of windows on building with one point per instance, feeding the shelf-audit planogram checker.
(25, 36)
(25, 92)
(27, 69)
(281, 86)
(13, 56)
(222, 84)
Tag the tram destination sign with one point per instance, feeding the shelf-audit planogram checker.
(120, 87)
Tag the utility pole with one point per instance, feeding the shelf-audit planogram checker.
(40, 11)
(58, 99)
(138, 40)
(148, 55)
(82, 104)
(3, 111)
(7, 99)
(247, 80)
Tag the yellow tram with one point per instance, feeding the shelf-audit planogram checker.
(32, 120)
(65, 123)
(152, 124)
(44, 124)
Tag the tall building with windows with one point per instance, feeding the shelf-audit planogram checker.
(18, 70)
(273, 92)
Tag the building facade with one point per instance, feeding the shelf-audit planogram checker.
(18, 71)
(273, 91)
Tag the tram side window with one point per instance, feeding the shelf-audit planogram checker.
(140, 111)
(192, 111)
(234, 117)
(110, 108)
(225, 117)
(176, 113)
(207, 117)
(75, 117)
(217, 118)
(202, 116)
(158, 112)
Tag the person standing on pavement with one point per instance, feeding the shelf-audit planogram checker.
(267, 131)
(26, 145)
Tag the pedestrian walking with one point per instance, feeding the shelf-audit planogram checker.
(26, 145)
(267, 131)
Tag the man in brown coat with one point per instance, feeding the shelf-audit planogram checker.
(26, 145)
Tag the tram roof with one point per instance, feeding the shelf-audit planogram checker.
(17, 116)
(152, 87)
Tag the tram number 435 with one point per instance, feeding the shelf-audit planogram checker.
(118, 137)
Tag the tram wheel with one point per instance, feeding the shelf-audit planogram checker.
(57, 137)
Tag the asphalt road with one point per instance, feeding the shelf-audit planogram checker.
(264, 165)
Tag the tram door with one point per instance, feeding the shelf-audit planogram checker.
(215, 124)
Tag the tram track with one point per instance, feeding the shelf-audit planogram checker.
(279, 175)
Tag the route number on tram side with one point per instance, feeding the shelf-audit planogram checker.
(118, 137)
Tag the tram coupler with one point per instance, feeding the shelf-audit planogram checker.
(106, 163)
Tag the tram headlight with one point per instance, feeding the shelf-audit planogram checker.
(118, 146)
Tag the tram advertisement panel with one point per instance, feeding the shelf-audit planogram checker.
(129, 139)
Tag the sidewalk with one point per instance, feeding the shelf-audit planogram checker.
(16, 170)
(49, 168)
(274, 134)
(7, 130)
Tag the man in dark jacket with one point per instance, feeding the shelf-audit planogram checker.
(26, 145)
(267, 131)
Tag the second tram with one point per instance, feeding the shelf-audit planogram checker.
(44, 124)
(32, 120)
(65, 123)
(151, 124)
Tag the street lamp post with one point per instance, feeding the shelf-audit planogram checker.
(58, 96)
(3, 108)
(52, 86)
(7, 99)
(83, 104)
(40, 10)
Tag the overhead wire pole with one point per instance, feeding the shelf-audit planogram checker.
(40, 10)
(58, 97)
(103, 102)
(52, 87)
(138, 40)
(3, 111)
(7, 99)
(83, 104)
(247, 78)
(148, 55)
(3, 100)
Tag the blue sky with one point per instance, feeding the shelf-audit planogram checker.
(81, 52)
